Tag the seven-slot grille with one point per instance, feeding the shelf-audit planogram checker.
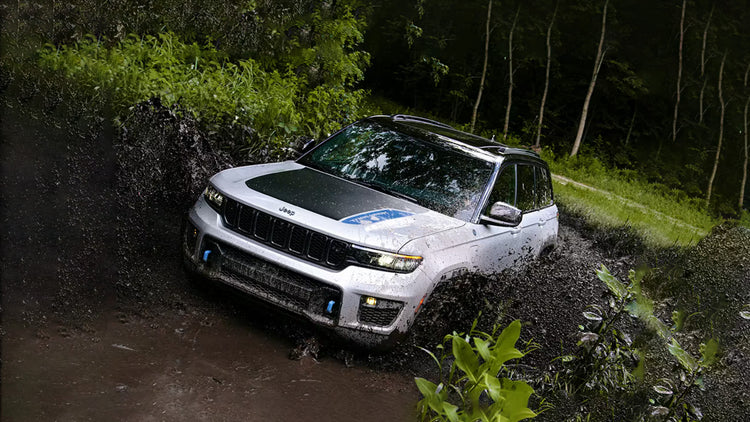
(283, 235)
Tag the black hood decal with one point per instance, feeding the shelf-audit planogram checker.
(325, 194)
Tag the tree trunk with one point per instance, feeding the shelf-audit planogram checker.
(546, 77)
(592, 85)
(679, 72)
(744, 167)
(510, 74)
(484, 68)
(744, 128)
(703, 65)
(721, 132)
(630, 129)
(700, 109)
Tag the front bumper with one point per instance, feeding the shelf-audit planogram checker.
(334, 298)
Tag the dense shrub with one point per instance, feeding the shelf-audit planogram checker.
(276, 107)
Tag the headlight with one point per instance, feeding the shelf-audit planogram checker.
(385, 260)
(214, 198)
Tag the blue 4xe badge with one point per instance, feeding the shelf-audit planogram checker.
(375, 216)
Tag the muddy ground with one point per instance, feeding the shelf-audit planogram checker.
(100, 323)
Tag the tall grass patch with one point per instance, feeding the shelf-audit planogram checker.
(614, 197)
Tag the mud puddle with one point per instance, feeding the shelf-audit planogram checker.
(184, 366)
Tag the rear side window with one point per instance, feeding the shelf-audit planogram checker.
(543, 188)
(525, 198)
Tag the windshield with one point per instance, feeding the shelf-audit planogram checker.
(433, 174)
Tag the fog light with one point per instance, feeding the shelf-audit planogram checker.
(378, 311)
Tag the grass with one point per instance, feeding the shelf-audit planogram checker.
(664, 217)
(602, 208)
(745, 219)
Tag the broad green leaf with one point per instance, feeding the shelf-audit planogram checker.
(504, 349)
(450, 411)
(643, 308)
(639, 371)
(678, 318)
(613, 284)
(466, 360)
(483, 348)
(521, 415)
(688, 362)
(429, 391)
(592, 316)
(517, 395)
(494, 387)
(510, 335)
(708, 352)
(663, 390)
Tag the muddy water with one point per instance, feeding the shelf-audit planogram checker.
(184, 367)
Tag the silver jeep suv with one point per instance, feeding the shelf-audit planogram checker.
(356, 233)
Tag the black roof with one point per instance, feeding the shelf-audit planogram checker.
(477, 142)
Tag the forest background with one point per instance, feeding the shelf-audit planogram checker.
(654, 91)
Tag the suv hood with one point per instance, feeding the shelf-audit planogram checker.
(331, 205)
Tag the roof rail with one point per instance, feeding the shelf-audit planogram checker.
(407, 117)
(499, 147)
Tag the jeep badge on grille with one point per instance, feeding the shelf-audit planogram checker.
(285, 210)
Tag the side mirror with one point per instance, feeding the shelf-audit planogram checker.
(502, 214)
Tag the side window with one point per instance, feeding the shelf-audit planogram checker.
(504, 189)
(526, 196)
(543, 188)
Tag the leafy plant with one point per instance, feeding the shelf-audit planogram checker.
(607, 360)
(671, 403)
(275, 107)
(473, 381)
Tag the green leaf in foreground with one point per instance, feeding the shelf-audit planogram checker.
(613, 284)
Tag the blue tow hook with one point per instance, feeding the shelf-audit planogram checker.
(329, 309)
(206, 253)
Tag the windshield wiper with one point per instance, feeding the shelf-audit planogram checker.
(380, 188)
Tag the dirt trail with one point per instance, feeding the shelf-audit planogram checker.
(673, 221)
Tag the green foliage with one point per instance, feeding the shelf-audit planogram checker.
(474, 380)
(326, 52)
(745, 219)
(671, 402)
(615, 197)
(608, 370)
(276, 106)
